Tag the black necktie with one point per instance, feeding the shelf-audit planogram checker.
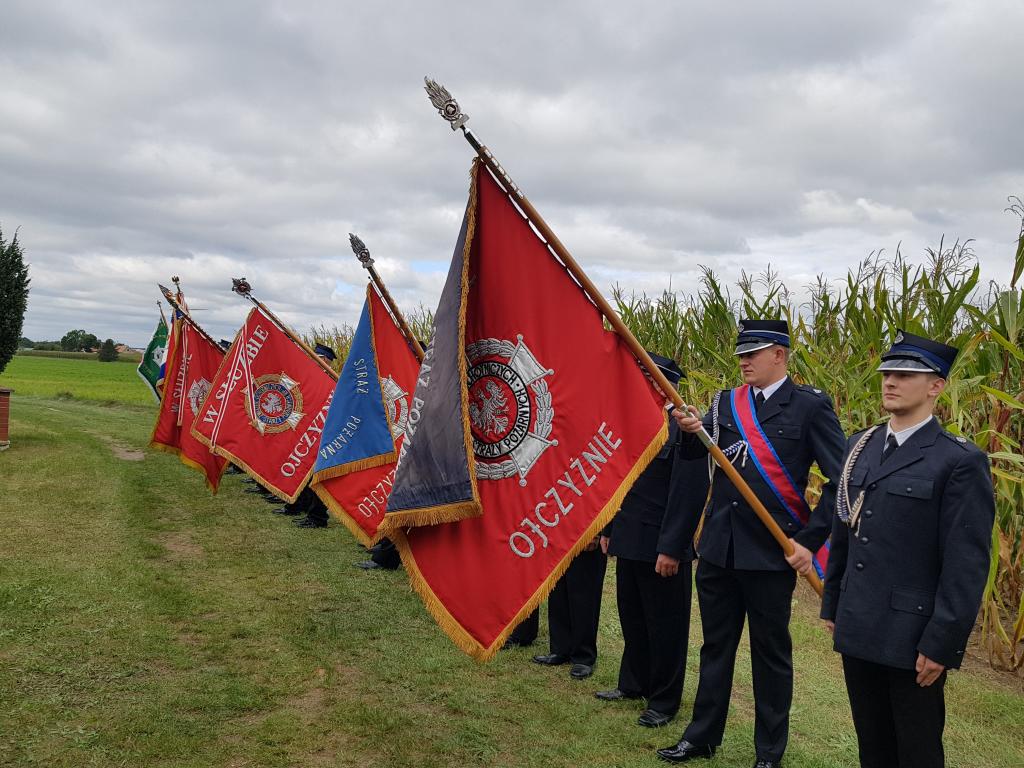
(758, 400)
(890, 447)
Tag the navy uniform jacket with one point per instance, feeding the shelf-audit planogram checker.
(660, 513)
(911, 578)
(802, 427)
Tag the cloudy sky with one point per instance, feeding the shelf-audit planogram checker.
(217, 139)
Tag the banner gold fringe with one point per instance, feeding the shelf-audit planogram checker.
(343, 517)
(450, 625)
(355, 466)
(219, 451)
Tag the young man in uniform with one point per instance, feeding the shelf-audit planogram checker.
(773, 430)
(909, 561)
(651, 538)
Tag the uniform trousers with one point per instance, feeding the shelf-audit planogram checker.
(727, 597)
(574, 608)
(654, 612)
(899, 724)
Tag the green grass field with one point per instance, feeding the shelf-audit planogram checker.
(145, 623)
(45, 376)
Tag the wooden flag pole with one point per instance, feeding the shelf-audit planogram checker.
(449, 109)
(241, 286)
(363, 254)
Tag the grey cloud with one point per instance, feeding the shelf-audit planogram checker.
(212, 140)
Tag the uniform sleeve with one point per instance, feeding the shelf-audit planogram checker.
(836, 569)
(828, 443)
(688, 490)
(966, 514)
(690, 446)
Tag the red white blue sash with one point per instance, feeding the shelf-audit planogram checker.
(770, 467)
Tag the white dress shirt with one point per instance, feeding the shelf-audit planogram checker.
(904, 434)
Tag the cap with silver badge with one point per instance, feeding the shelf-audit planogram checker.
(916, 354)
(760, 334)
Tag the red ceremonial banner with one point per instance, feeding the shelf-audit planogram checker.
(266, 407)
(192, 363)
(357, 491)
(560, 420)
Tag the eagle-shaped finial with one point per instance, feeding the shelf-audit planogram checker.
(360, 250)
(446, 106)
(241, 286)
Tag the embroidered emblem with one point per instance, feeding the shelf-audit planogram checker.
(510, 410)
(275, 403)
(397, 402)
(899, 338)
(197, 393)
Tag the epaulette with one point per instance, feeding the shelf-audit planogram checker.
(812, 390)
(959, 440)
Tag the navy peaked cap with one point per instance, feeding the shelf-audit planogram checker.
(758, 334)
(916, 354)
(668, 367)
(324, 351)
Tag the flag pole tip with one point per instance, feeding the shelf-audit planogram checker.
(360, 250)
(444, 103)
(241, 286)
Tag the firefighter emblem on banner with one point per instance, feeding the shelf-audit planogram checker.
(510, 411)
(197, 394)
(397, 401)
(275, 404)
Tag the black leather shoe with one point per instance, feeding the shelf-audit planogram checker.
(684, 751)
(767, 764)
(308, 522)
(615, 695)
(580, 671)
(551, 659)
(369, 565)
(288, 511)
(652, 718)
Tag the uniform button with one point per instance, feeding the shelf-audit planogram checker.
(863, 539)
(868, 513)
(789, 525)
(872, 486)
(909, 489)
(780, 431)
(735, 503)
(860, 566)
(920, 607)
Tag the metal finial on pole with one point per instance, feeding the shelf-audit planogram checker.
(449, 109)
(360, 250)
(445, 104)
(363, 254)
(241, 286)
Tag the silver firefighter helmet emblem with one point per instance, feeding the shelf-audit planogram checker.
(510, 410)
(197, 394)
(275, 403)
(899, 338)
(396, 400)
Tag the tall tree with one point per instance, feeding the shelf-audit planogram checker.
(13, 297)
(108, 352)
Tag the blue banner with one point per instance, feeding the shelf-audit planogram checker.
(356, 434)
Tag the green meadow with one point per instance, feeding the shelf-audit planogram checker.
(144, 622)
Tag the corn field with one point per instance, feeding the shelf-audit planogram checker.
(839, 333)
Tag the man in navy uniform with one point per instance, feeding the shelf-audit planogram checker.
(652, 538)
(909, 561)
(768, 424)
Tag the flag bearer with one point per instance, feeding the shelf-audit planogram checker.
(774, 430)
